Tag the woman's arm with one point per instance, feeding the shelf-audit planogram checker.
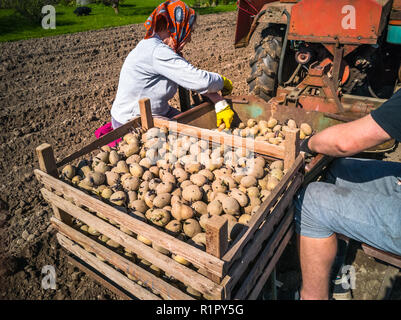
(350, 138)
(172, 66)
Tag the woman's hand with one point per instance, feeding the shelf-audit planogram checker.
(227, 87)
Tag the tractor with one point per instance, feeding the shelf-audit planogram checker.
(334, 56)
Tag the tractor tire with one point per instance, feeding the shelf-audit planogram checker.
(264, 67)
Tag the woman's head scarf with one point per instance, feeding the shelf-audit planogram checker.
(180, 19)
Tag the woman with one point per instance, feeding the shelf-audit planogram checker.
(155, 68)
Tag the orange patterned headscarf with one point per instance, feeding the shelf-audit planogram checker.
(180, 19)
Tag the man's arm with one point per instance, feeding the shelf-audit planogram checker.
(350, 138)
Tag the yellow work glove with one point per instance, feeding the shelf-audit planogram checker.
(224, 113)
(227, 87)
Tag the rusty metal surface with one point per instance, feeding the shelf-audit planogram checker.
(340, 21)
(204, 115)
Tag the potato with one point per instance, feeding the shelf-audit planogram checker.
(180, 259)
(147, 176)
(113, 244)
(215, 208)
(253, 192)
(251, 122)
(192, 193)
(186, 183)
(200, 207)
(159, 217)
(180, 174)
(218, 185)
(256, 171)
(121, 167)
(220, 196)
(248, 181)
(174, 226)
(198, 179)
(244, 219)
(306, 128)
(131, 183)
(240, 196)
(114, 157)
(159, 248)
(278, 164)
(86, 184)
(272, 183)
(276, 173)
(106, 193)
(230, 206)
(144, 240)
(93, 232)
(146, 163)
(68, 171)
(97, 178)
(130, 149)
(167, 177)
(192, 168)
(271, 123)
(75, 180)
(181, 211)
(154, 183)
(138, 205)
(164, 187)
(149, 197)
(125, 176)
(154, 170)
(291, 124)
(118, 198)
(200, 238)
(162, 200)
(203, 220)
(191, 227)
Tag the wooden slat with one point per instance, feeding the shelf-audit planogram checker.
(239, 267)
(161, 261)
(216, 239)
(146, 114)
(47, 163)
(110, 137)
(185, 250)
(291, 147)
(266, 273)
(382, 255)
(163, 288)
(264, 256)
(235, 250)
(106, 270)
(102, 280)
(260, 147)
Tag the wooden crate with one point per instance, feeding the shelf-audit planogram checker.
(238, 271)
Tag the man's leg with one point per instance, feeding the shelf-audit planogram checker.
(316, 257)
(323, 209)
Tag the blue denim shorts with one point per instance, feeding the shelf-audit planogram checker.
(360, 199)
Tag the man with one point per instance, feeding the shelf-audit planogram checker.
(360, 198)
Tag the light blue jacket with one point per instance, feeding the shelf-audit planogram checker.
(153, 70)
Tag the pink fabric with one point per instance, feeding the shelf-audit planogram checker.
(105, 130)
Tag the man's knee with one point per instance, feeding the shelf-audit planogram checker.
(309, 204)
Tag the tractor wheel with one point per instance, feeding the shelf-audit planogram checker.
(264, 67)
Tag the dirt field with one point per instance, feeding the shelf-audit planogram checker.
(59, 90)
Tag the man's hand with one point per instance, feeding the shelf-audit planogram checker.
(224, 113)
(227, 87)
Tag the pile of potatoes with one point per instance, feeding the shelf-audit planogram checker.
(270, 130)
(176, 183)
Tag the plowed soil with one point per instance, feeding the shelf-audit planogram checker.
(59, 90)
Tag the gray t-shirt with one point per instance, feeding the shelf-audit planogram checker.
(153, 70)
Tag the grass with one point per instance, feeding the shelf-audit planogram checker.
(14, 27)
